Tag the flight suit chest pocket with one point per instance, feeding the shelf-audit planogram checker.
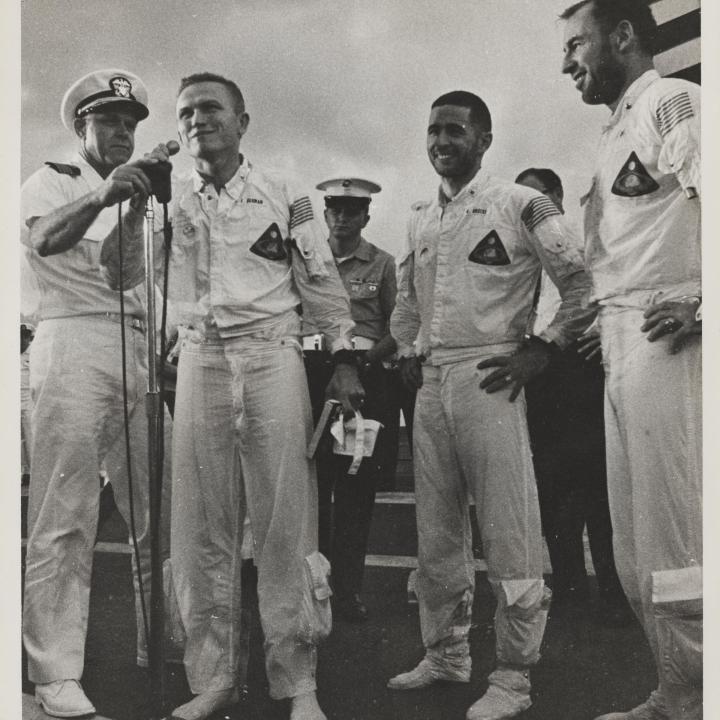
(247, 224)
(634, 178)
(270, 245)
(490, 250)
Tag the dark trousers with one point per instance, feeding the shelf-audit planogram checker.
(567, 436)
(400, 398)
(344, 525)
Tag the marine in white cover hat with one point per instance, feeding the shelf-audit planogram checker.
(346, 492)
(98, 90)
(348, 187)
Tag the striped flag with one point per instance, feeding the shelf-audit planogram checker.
(301, 211)
(537, 210)
(678, 44)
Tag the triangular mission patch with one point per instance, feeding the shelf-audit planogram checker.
(633, 179)
(270, 244)
(489, 251)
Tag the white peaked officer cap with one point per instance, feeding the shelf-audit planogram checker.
(104, 91)
(348, 187)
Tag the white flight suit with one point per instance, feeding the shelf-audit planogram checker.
(77, 425)
(642, 227)
(465, 293)
(243, 260)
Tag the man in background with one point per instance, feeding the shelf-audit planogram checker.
(567, 436)
(346, 500)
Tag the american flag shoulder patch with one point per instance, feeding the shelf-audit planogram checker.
(537, 210)
(301, 211)
(674, 110)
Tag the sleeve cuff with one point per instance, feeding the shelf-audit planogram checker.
(549, 335)
(404, 350)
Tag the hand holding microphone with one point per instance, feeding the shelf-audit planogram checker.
(156, 165)
(134, 181)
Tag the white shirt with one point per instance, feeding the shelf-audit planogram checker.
(73, 282)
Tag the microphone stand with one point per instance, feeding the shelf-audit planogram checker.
(153, 406)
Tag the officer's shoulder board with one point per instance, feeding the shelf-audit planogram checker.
(64, 169)
(420, 205)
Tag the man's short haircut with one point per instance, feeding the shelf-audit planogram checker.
(549, 178)
(233, 89)
(479, 113)
(609, 13)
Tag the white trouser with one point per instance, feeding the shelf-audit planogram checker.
(25, 423)
(77, 425)
(467, 440)
(242, 424)
(654, 435)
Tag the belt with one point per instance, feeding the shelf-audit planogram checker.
(314, 342)
(362, 343)
(135, 323)
(318, 341)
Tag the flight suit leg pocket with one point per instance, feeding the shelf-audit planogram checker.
(315, 616)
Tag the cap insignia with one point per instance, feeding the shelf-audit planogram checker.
(121, 86)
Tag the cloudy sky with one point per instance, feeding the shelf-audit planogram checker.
(332, 88)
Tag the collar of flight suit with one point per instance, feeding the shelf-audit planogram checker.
(479, 180)
(636, 89)
(233, 187)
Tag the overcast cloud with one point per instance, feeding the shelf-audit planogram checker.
(332, 87)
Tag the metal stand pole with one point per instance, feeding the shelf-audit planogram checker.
(155, 462)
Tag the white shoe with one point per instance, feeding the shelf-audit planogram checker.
(430, 670)
(63, 698)
(652, 709)
(508, 694)
(305, 707)
(205, 704)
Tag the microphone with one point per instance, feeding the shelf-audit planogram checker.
(159, 175)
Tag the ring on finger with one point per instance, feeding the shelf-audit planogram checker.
(508, 378)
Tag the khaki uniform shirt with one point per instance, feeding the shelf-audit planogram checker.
(369, 279)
